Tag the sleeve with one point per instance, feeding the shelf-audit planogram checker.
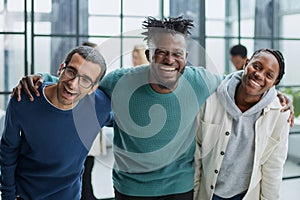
(211, 80)
(198, 156)
(109, 81)
(272, 169)
(49, 78)
(9, 150)
(103, 108)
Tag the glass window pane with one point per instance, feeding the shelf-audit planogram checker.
(289, 6)
(249, 44)
(215, 12)
(49, 52)
(104, 7)
(12, 21)
(166, 8)
(63, 17)
(111, 51)
(131, 24)
(215, 28)
(3, 102)
(44, 6)
(42, 27)
(42, 54)
(104, 25)
(141, 7)
(247, 28)
(1, 5)
(11, 61)
(215, 51)
(290, 50)
(247, 18)
(289, 29)
(231, 18)
(15, 5)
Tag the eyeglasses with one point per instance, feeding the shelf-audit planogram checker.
(71, 73)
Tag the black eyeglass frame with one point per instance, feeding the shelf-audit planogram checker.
(75, 75)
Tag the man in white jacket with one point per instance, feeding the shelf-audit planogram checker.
(242, 137)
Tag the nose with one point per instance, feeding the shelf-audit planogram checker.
(258, 74)
(169, 59)
(73, 82)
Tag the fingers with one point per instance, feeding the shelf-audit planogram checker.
(291, 117)
(17, 91)
(37, 85)
(29, 84)
(24, 85)
(283, 99)
(12, 94)
(32, 85)
(291, 121)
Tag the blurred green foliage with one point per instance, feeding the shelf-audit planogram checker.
(294, 92)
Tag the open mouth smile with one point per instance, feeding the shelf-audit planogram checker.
(255, 83)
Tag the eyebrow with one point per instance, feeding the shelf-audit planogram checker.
(270, 69)
(85, 75)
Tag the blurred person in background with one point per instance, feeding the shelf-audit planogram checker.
(238, 56)
(138, 55)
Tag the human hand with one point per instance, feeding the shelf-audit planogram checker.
(288, 105)
(29, 84)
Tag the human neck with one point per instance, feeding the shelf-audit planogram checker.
(51, 95)
(161, 89)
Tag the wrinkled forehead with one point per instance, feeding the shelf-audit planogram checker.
(168, 41)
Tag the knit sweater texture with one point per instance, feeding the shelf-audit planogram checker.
(154, 133)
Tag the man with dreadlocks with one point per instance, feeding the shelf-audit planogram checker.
(155, 109)
(154, 126)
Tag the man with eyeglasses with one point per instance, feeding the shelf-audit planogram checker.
(45, 142)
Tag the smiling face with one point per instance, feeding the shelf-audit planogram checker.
(69, 92)
(260, 74)
(167, 58)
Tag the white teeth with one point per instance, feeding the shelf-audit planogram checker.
(69, 91)
(168, 68)
(255, 83)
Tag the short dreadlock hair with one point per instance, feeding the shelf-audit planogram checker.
(171, 25)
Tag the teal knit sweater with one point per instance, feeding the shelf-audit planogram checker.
(154, 133)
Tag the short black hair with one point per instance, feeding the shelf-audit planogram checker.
(279, 57)
(90, 44)
(239, 50)
(94, 45)
(89, 54)
(171, 25)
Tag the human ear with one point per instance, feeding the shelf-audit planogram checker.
(147, 54)
(60, 68)
(93, 89)
(246, 63)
